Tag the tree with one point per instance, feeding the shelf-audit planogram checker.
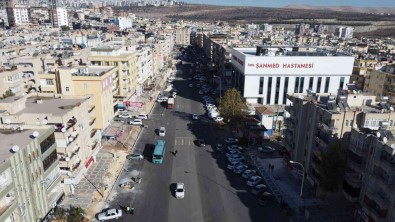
(75, 214)
(231, 106)
(60, 213)
(64, 28)
(332, 168)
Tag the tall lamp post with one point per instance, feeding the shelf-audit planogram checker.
(301, 189)
(220, 88)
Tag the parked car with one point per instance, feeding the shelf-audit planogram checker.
(110, 214)
(172, 77)
(232, 165)
(190, 85)
(219, 147)
(142, 116)
(254, 180)
(240, 169)
(200, 142)
(195, 116)
(232, 152)
(236, 158)
(162, 131)
(162, 99)
(124, 115)
(180, 190)
(235, 147)
(218, 119)
(200, 91)
(136, 122)
(135, 156)
(258, 189)
(231, 140)
(266, 149)
(248, 173)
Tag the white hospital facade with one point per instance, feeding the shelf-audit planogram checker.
(266, 74)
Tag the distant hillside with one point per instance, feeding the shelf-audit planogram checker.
(375, 10)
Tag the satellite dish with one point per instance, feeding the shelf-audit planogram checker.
(392, 108)
(393, 146)
(13, 128)
(378, 134)
(21, 128)
(44, 122)
(35, 134)
(69, 174)
(71, 139)
(7, 121)
(63, 129)
(385, 140)
(15, 148)
(67, 159)
(74, 134)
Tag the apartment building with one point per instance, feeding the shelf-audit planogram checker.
(30, 180)
(182, 36)
(144, 68)
(59, 17)
(370, 175)
(222, 55)
(344, 32)
(99, 81)
(124, 58)
(266, 74)
(18, 15)
(72, 117)
(316, 121)
(362, 66)
(11, 82)
(382, 82)
(124, 22)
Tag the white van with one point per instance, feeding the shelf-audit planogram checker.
(162, 99)
(162, 131)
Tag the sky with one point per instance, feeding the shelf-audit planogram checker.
(282, 3)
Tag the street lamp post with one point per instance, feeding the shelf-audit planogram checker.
(220, 88)
(301, 189)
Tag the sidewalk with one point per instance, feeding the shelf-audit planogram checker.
(94, 188)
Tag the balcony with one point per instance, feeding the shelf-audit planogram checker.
(353, 179)
(290, 123)
(355, 162)
(92, 121)
(47, 144)
(380, 198)
(358, 150)
(72, 138)
(290, 110)
(94, 145)
(9, 200)
(91, 109)
(373, 209)
(75, 166)
(71, 123)
(93, 133)
(386, 161)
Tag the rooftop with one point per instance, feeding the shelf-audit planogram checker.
(91, 70)
(55, 106)
(287, 51)
(10, 138)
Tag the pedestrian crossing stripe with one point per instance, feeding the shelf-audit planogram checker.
(183, 141)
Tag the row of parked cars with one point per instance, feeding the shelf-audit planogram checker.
(132, 120)
(235, 155)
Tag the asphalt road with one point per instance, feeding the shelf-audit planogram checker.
(213, 193)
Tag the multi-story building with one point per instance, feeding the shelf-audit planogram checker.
(265, 75)
(144, 68)
(11, 82)
(124, 58)
(18, 15)
(382, 82)
(222, 59)
(59, 17)
(360, 71)
(72, 117)
(30, 180)
(99, 81)
(317, 121)
(182, 36)
(344, 32)
(124, 22)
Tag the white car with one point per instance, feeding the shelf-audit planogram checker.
(172, 77)
(254, 180)
(162, 99)
(232, 165)
(124, 115)
(136, 122)
(258, 189)
(195, 116)
(231, 140)
(142, 116)
(162, 131)
(110, 214)
(248, 173)
(180, 190)
(218, 119)
(240, 169)
(135, 156)
(233, 152)
(266, 149)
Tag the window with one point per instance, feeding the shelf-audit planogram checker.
(278, 81)
(296, 85)
(301, 85)
(341, 84)
(261, 79)
(260, 100)
(328, 79)
(269, 90)
(346, 122)
(49, 82)
(285, 90)
(311, 83)
(67, 89)
(85, 85)
(318, 85)
(391, 122)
